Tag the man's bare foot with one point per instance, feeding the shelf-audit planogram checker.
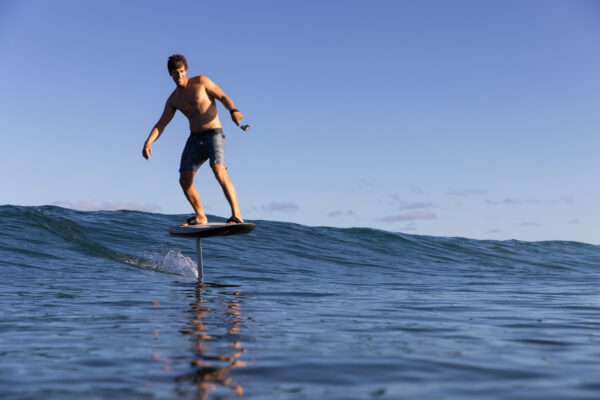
(234, 220)
(195, 221)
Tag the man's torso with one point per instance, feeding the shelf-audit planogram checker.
(197, 105)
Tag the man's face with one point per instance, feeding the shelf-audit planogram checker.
(178, 76)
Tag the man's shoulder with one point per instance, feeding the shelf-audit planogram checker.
(204, 80)
(199, 79)
(172, 96)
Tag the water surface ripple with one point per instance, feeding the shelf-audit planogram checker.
(103, 305)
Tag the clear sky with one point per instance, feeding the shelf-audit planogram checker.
(450, 118)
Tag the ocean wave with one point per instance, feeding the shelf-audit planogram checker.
(140, 239)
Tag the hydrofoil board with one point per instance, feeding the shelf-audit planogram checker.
(210, 229)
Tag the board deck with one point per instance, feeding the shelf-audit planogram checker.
(210, 229)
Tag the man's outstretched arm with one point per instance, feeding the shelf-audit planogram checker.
(218, 94)
(158, 129)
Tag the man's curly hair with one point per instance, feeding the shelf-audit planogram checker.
(176, 61)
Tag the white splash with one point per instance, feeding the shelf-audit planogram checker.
(172, 261)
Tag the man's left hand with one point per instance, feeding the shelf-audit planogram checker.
(236, 117)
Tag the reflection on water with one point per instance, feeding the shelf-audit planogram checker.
(212, 364)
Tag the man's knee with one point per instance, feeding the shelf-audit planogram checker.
(220, 172)
(186, 179)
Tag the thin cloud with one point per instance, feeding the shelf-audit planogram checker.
(528, 224)
(511, 201)
(339, 213)
(410, 227)
(467, 192)
(409, 216)
(365, 182)
(280, 207)
(417, 190)
(494, 231)
(574, 221)
(404, 205)
(83, 205)
(415, 205)
(568, 200)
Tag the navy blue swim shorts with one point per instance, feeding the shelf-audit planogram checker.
(201, 146)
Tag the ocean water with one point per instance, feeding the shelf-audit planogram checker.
(106, 305)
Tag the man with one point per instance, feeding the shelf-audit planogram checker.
(195, 98)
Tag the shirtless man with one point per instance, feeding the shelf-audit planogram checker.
(195, 98)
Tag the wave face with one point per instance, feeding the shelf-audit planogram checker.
(106, 304)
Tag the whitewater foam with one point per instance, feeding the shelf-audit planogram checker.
(171, 261)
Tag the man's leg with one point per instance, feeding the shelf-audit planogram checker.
(221, 175)
(186, 180)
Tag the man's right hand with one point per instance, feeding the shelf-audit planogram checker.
(147, 151)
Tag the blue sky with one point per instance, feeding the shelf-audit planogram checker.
(449, 118)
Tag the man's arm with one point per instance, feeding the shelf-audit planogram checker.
(158, 129)
(216, 92)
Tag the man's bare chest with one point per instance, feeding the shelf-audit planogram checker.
(192, 99)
